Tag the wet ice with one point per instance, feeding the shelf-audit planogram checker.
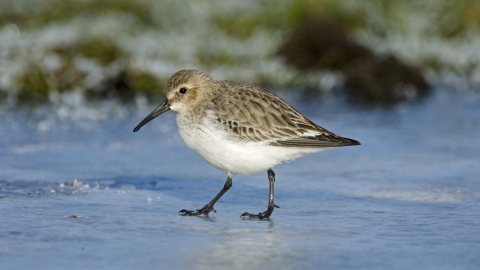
(405, 199)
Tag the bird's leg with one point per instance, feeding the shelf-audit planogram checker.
(209, 206)
(271, 204)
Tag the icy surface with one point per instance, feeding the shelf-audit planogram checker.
(93, 195)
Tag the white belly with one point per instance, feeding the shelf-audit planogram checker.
(237, 157)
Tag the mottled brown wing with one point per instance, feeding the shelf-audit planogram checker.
(253, 114)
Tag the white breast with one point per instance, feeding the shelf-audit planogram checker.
(213, 144)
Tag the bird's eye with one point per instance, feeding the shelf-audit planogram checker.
(183, 90)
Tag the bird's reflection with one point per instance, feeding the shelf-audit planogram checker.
(256, 245)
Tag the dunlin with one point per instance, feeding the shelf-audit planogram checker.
(240, 129)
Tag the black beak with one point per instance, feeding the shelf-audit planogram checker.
(164, 107)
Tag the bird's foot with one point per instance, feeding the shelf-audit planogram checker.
(263, 215)
(202, 211)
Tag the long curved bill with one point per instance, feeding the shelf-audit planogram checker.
(164, 107)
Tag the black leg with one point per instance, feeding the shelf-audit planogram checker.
(209, 206)
(271, 204)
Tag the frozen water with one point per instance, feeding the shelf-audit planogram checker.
(105, 197)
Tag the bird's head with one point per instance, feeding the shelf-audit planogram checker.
(186, 90)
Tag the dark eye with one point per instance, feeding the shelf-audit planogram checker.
(183, 90)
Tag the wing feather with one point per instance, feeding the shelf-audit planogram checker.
(250, 113)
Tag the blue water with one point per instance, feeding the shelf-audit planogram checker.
(94, 194)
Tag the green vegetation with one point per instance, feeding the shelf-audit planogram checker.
(123, 48)
(100, 49)
(36, 14)
(452, 18)
(285, 15)
(34, 87)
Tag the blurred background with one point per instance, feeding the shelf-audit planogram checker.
(80, 190)
(376, 52)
